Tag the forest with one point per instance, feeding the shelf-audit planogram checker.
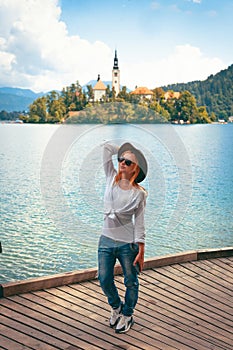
(216, 92)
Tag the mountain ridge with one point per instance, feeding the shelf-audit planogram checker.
(17, 99)
(215, 92)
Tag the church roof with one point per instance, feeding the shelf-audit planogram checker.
(142, 91)
(99, 86)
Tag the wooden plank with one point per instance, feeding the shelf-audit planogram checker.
(220, 337)
(137, 327)
(181, 322)
(212, 293)
(209, 283)
(204, 278)
(181, 331)
(18, 334)
(70, 335)
(139, 339)
(215, 270)
(181, 306)
(193, 297)
(98, 320)
(166, 301)
(218, 265)
(9, 344)
(228, 261)
(67, 322)
(173, 306)
(172, 331)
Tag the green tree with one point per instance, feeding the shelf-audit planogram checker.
(158, 94)
(38, 111)
(56, 107)
(90, 92)
(123, 94)
(161, 112)
(185, 107)
(202, 115)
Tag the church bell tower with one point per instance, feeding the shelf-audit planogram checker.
(116, 75)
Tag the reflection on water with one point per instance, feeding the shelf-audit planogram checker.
(52, 186)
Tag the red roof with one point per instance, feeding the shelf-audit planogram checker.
(142, 91)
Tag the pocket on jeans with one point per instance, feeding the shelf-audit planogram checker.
(134, 247)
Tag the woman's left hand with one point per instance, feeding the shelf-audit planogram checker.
(140, 256)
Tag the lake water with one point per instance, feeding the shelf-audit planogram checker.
(52, 184)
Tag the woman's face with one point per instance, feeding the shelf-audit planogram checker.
(128, 170)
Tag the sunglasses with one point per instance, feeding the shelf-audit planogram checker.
(127, 161)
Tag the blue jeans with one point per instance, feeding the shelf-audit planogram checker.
(108, 252)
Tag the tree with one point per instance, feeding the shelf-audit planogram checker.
(57, 111)
(38, 111)
(185, 106)
(123, 94)
(158, 93)
(202, 115)
(90, 93)
(160, 112)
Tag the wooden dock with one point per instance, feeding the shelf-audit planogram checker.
(185, 303)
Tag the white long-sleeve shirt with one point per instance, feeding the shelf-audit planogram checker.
(123, 209)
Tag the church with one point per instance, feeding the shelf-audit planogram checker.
(100, 89)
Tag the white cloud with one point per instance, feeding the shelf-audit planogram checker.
(36, 50)
(185, 64)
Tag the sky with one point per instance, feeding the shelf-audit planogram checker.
(50, 44)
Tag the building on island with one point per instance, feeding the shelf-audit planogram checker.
(99, 90)
(171, 94)
(116, 75)
(143, 92)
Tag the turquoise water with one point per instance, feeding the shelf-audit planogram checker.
(52, 184)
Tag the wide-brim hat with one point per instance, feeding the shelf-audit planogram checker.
(142, 163)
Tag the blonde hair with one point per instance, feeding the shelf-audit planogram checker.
(134, 176)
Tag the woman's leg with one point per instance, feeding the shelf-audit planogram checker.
(126, 256)
(106, 261)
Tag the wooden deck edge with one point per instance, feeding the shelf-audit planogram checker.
(33, 284)
(170, 259)
(30, 285)
(214, 253)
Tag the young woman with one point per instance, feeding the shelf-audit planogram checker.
(123, 234)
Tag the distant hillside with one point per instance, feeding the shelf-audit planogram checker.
(15, 99)
(216, 92)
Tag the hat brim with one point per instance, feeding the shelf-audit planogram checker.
(142, 163)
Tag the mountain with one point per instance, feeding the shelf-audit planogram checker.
(216, 92)
(16, 99)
